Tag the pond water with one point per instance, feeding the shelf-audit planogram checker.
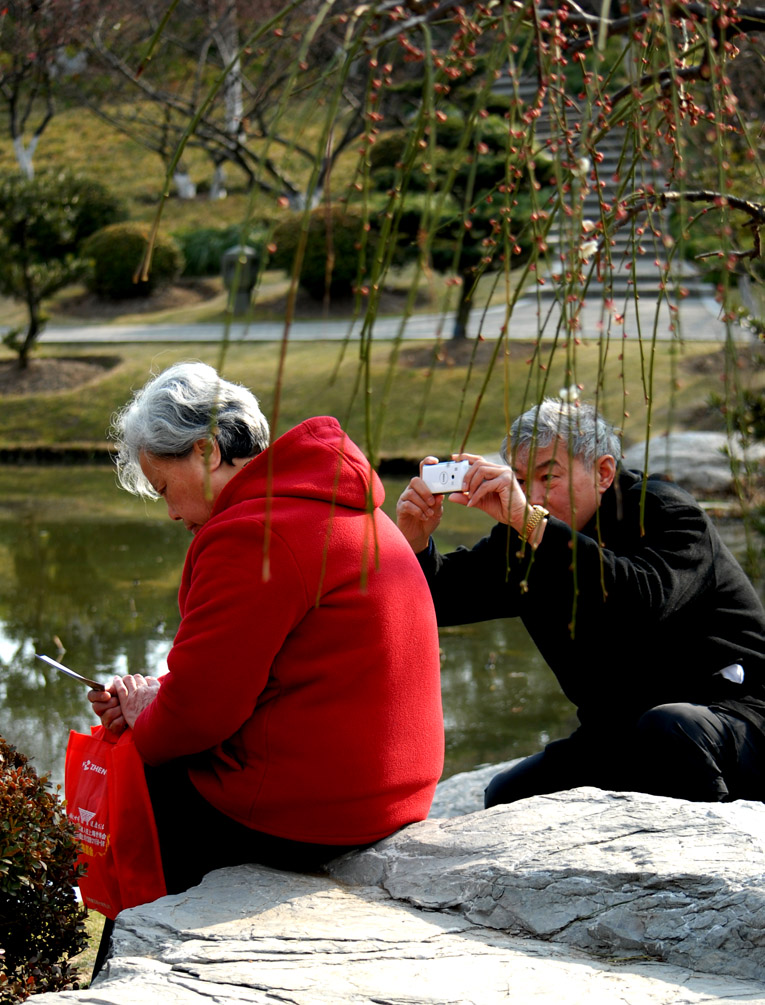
(87, 569)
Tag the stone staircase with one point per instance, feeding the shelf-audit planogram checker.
(638, 262)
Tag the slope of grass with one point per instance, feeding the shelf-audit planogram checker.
(78, 139)
(422, 411)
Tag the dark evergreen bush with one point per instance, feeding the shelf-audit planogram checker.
(387, 150)
(338, 230)
(115, 254)
(203, 247)
(42, 925)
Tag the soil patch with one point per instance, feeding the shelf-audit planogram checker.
(463, 351)
(392, 302)
(747, 357)
(53, 373)
(184, 293)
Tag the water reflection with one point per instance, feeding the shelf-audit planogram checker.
(104, 590)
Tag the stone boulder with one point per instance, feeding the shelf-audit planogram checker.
(576, 896)
(612, 873)
(700, 462)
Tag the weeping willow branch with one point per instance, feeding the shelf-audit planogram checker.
(755, 210)
(645, 202)
(664, 78)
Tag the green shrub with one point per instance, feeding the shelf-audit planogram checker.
(41, 923)
(115, 254)
(85, 204)
(203, 248)
(342, 229)
(387, 150)
(96, 206)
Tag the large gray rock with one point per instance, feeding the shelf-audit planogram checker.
(585, 895)
(255, 935)
(611, 873)
(700, 462)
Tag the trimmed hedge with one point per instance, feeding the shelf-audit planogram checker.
(68, 207)
(337, 229)
(115, 254)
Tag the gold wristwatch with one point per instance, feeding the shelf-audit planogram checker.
(536, 514)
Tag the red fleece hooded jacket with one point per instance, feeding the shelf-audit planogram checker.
(305, 672)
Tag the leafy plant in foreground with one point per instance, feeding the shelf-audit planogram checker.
(42, 925)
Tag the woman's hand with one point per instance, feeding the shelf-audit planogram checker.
(135, 693)
(106, 705)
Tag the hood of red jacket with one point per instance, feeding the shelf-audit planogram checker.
(315, 460)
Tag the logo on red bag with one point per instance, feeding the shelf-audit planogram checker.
(90, 766)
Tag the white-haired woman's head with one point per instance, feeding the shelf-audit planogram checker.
(177, 408)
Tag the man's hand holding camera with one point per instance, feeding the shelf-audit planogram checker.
(419, 510)
(486, 485)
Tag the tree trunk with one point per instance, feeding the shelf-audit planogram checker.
(34, 329)
(218, 184)
(460, 329)
(184, 186)
(29, 340)
(25, 155)
(227, 43)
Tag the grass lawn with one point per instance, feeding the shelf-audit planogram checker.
(84, 143)
(397, 406)
(401, 410)
(84, 961)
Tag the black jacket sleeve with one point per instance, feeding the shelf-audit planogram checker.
(644, 605)
(475, 584)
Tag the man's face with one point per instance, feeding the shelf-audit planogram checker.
(562, 484)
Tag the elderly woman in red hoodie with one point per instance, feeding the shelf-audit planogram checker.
(301, 712)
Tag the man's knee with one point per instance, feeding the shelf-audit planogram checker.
(563, 764)
(492, 794)
(515, 783)
(679, 724)
(682, 750)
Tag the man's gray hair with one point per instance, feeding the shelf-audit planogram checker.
(581, 427)
(186, 403)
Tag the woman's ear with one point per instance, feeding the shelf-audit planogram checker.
(605, 467)
(209, 450)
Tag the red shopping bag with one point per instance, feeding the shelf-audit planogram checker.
(108, 801)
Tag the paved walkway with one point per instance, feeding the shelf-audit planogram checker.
(699, 321)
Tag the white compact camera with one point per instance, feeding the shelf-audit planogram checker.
(444, 477)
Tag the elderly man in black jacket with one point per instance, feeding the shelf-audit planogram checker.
(646, 619)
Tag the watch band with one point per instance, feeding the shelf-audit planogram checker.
(536, 514)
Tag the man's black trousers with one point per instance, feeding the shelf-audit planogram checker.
(700, 752)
